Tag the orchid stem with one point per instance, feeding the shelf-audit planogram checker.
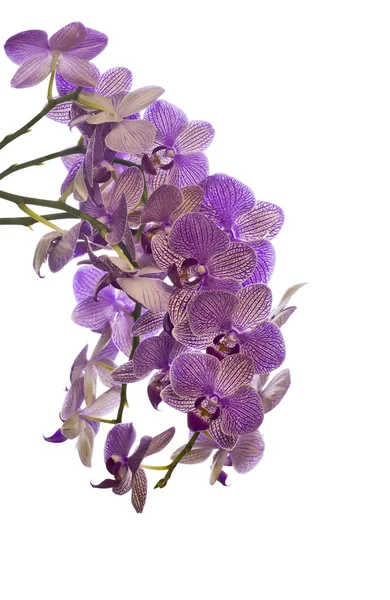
(41, 160)
(28, 221)
(51, 80)
(155, 468)
(49, 106)
(163, 482)
(40, 219)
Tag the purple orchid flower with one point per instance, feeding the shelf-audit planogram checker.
(180, 146)
(133, 136)
(127, 470)
(68, 51)
(111, 306)
(232, 205)
(238, 323)
(114, 81)
(197, 255)
(60, 248)
(153, 353)
(215, 395)
(75, 419)
(245, 455)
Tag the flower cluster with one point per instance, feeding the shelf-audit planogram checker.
(174, 265)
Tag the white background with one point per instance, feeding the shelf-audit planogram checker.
(299, 95)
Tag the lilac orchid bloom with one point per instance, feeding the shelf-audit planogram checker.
(68, 51)
(198, 255)
(215, 395)
(155, 353)
(245, 455)
(111, 306)
(114, 81)
(132, 136)
(75, 419)
(232, 205)
(239, 323)
(127, 470)
(178, 157)
(60, 248)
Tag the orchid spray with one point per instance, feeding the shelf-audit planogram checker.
(173, 267)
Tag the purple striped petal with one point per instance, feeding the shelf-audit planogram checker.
(179, 302)
(42, 249)
(63, 86)
(104, 404)
(188, 169)
(218, 463)
(265, 262)
(265, 345)
(130, 184)
(196, 137)
(235, 371)
(194, 375)
(124, 373)
(68, 37)
(122, 332)
(77, 70)
(248, 452)
(137, 457)
(139, 490)
(175, 401)
(57, 437)
(61, 113)
(124, 485)
(182, 333)
(113, 81)
(238, 262)
(79, 364)
(33, 70)
(152, 353)
(24, 45)
(265, 221)
(224, 440)
(160, 441)
(243, 412)
(226, 199)
(118, 223)
(228, 285)
(107, 483)
(168, 120)
(275, 390)
(85, 281)
(94, 314)
(132, 137)
(254, 306)
(119, 441)
(162, 252)
(149, 322)
(195, 236)
(93, 44)
(153, 294)
(192, 200)
(211, 312)
(161, 204)
(63, 252)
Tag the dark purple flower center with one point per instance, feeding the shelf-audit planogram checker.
(190, 272)
(224, 345)
(156, 385)
(161, 157)
(117, 466)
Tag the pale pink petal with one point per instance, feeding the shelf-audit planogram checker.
(138, 100)
(153, 294)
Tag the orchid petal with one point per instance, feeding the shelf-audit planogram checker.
(264, 221)
(68, 37)
(224, 441)
(23, 45)
(160, 441)
(218, 463)
(195, 236)
(77, 70)
(85, 445)
(196, 137)
(168, 119)
(275, 390)
(33, 70)
(149, 322)
(130, 184)
(138, 100)
(124, 373)
(192, 201)
(175, 401)
(254, 306)
(93, 44)
(194, 375)
(265, 262)
(132, 137)
(161, 204)
(265, 345)
(122, 332)
(243, 412)
(119, 441)
(94, 314)
(226, 199)
(139, 490)
(238, 262)
(211, 312)
(248, 452)
(152, 353)
(235, 371)
(153, 294)
(113, 81)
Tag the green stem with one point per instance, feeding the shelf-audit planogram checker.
(28, 221)
(41, 160)
(39, 218)
(49, 106)
(123, 402)
(163, 482)
(51, 80)
(153, 468)
(126, 163)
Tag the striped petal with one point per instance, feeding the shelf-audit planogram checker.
(265, 345)
(238, 262)
(168, 119)
(248, 452)
(131, 137)
(235, 371)
(196, 137)
(211, 312)
(226, 199)
(119, 441)
(243, 412)
(24, 45)
(195, 236)
(33, 70)
(194, 375)
(254, 306)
